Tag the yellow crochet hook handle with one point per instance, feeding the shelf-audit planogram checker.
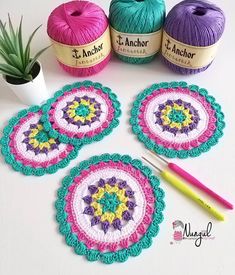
(181, 186)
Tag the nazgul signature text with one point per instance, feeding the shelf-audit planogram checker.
(198, 236)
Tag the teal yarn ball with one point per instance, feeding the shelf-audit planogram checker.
(139, 17)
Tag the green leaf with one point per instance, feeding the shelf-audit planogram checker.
(27, 49)
(28, 77)
(6, 38)
(17, 62)
(5, 56)
(12, 31)
(9, 74)
(11, 69)
(3, 45)
(20, 44)
(12, 59)
(34, 59)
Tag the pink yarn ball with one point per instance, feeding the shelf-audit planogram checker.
(78, 23)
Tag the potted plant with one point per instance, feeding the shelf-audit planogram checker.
(22, 72)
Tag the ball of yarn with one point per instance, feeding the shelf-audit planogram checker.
(78, 23)
(139, 17)
(196, 23)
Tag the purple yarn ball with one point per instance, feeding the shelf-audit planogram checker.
(196, 23)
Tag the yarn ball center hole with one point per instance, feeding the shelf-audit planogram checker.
(199, 11)
(76, 13)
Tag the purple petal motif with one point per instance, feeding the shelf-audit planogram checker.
(129, 193)
(159, 121)
(196, 120)
(87, 122)
(45, 151)
(184, 130)
(65, 109)
(105, 226)
(179, 101)
(97, 105)
(87, 199)
(29, 147)
(127, 215)
(158, 114)
(98, 113)
(93, 189)
(69, 103)
(92, 100)
(161, 107)
(78, 99)
(122, 184)
(78, 124)
(174, 131)
(89, 210)
(27, 133)
(65, 115)
(93, 119)
(70, 120)
(117, 224)
(95, 220)
(131, 205)
(26, 140)
(187, 105)
(54, 146)
(166, 127)
(192, 126)
(37, 151)
(168, 102)
(112, 181)
(33, 126)
(101, 183)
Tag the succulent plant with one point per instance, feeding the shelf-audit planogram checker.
(18, 61)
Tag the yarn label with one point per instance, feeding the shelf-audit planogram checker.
(84, 56)
(187, 56)
(136, 45)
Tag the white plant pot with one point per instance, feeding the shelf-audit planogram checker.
(33, 92)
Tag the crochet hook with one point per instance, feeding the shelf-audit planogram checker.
(178, 184)
(195, 182)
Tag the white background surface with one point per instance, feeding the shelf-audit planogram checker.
(29, 240)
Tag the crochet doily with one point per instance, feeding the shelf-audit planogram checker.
(177, 120)
(81, 113)
(28, 148)
(109, 208)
